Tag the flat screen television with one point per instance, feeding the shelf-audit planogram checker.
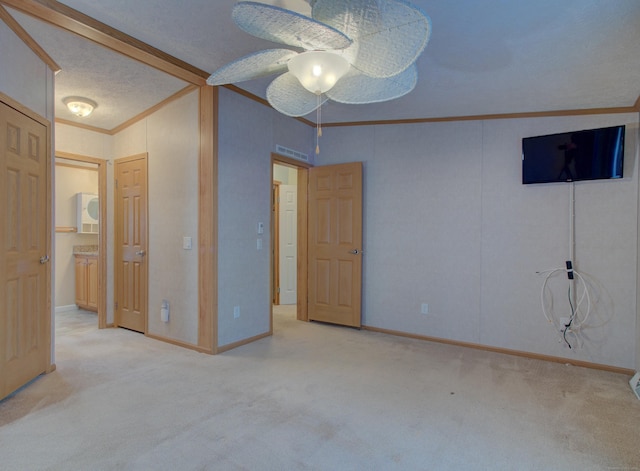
(591, 154)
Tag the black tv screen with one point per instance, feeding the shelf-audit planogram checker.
(592, 154)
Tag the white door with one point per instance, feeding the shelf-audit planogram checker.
(288, 213)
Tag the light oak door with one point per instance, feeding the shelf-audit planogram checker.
(92, 283)
(288, 243)
(81, 281)
(25, 317)
(335, 244)
(131, 243)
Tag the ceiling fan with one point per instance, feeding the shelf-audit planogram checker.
(350, 51)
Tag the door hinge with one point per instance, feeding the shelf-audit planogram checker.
(116, 183)
(116, 305)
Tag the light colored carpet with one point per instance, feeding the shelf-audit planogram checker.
(312, 397)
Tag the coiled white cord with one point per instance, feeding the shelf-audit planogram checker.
(575, 320)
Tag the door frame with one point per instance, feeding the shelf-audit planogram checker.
(117, 252)
(302, 288)
(102, 234)
(275, 239)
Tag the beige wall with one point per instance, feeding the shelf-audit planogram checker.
(248, 133)
(170, 136)
(447, 222)
(285, 175)
(83, 142)
(23, 76)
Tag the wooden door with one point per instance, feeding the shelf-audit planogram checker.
(335, 243)
(92, 283)
(131, 243)
(25, 317)
(288, 246)
(81, 281)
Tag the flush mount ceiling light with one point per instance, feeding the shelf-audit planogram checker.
(356, 52)
(80, 106)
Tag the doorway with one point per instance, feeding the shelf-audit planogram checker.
(287, 169)
(285, 237)
(335, 295)
(70, 227)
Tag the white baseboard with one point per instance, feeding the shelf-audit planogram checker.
(70, 307)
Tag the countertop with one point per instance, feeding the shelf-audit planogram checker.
(85, 250)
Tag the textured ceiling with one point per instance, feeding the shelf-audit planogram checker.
(484, 56)
(122, 87)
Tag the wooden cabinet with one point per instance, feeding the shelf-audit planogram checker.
(87, 282)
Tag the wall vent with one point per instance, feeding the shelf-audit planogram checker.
(291, 153)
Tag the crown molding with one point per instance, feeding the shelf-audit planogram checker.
(83, 25)
(28, 40)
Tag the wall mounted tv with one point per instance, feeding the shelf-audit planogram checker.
(591, 154)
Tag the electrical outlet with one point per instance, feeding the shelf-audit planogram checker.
(424, 308)
(236, 312)
(164, 311)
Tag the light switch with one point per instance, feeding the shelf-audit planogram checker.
(186, 243)
(261, 228)
(259, 244)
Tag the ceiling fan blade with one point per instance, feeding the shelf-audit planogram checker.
(388, 35)
(287, 27)
(289, 97)
(358, 89)
(252, 66)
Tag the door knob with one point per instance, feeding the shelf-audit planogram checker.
(142, 253)
(354, 251)
(44, 259)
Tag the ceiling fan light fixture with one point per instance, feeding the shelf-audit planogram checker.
(318, 71)
(79, 106)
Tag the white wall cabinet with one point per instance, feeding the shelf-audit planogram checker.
(88, 212)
